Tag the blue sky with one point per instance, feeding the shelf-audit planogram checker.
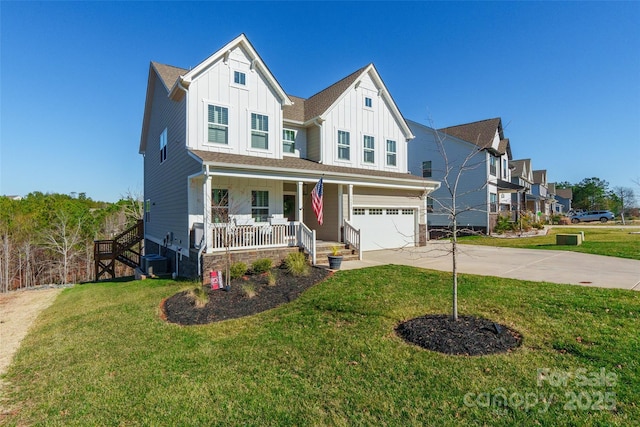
(564, 77)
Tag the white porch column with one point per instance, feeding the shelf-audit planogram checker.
(207, 211)
(350, 201)
(299, 201)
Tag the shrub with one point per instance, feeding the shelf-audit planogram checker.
(249, 290)
(200, 296)
(237, 270)
(271, 278)
(261, 265)
(504, 224)
(296, 264)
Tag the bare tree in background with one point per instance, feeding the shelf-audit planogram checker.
(133, 207)
(64, 238)
(625, 198)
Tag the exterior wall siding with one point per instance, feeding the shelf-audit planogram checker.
(215, 86)
(472, 191)
(165, 184)
(351, 115)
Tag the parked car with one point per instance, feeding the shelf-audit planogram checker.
(602, 216)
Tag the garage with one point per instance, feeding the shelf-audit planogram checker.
(385, 228)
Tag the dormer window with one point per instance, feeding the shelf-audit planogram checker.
(239, 78)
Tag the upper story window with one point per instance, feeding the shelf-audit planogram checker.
(391, 153)
(369, 149)
(492, 165)
(218, 125)
(259, 131)
(426, 169)
(288, 141)
(147, 210)
(260, 205)
(239, 78)
(429, 204)
(368, 102)
(219, 205)
(163, 145)
(504, 168)
(343, 145)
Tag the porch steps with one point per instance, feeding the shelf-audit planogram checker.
(324, 248)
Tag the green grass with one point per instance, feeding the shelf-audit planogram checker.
(598, 241)
(101, 355)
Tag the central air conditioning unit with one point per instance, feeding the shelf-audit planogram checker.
(154, 264)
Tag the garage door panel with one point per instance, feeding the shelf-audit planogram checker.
(385, 228)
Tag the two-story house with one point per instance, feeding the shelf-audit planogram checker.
(521, 175)
(540, 201)
(472, 163)
(231, 161)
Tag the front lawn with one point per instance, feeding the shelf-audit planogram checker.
(101, 355)
(622, 243)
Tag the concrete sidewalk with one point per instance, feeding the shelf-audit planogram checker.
(525, 264)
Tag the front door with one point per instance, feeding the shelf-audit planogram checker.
(289, 206)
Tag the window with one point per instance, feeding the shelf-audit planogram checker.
(504, 168)
(260, 205)
(426, 169)
(358, 211)
(288, 141)
(218, 125)
(369, 149)
(219, 205)
(368, 102)
(259, 131)
(392, 211)
(375, 211)
(343, 145)
(492, 165)
(147, 210)
(493, 202)
(163, 145)
(391, 153)
(239, 78)
(429, 204)
(407, 211)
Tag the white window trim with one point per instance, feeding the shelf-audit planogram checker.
(338, 145)
(232, 79)
(364, 102)
(295, 135)
(373, 150)
(270, 145)
(396, 166)
(205, 137)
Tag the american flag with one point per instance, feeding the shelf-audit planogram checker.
(316, 201)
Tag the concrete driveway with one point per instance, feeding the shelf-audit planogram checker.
(525, 264)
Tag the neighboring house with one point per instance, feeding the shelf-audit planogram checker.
(474, 159)
(521, 175)
(230, 162)
(540, 201)
(563, 197)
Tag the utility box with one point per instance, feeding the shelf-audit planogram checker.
(569, 239)
(154, 264)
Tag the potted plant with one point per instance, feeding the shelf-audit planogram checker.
(335, 259)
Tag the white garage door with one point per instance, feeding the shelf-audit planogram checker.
(385, 228)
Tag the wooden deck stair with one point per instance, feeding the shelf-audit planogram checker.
(125, 248)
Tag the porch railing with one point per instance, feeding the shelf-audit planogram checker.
(253, 236)
(352, 237)
(307, 240)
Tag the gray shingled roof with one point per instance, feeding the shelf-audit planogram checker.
(538, 175)
(565, 193)
(321, 101)
(519, 166)
(168, 73)
(298, 164)
(294, 112)
(479, 133)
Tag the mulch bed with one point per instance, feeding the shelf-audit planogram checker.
(180, 308)
(470, 336)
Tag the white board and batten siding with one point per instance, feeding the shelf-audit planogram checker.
(215, 86)
(351, 114)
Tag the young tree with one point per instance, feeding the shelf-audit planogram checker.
(64, 238)
(624, 197)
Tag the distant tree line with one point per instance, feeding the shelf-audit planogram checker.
(48, 238)
(595, 194)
